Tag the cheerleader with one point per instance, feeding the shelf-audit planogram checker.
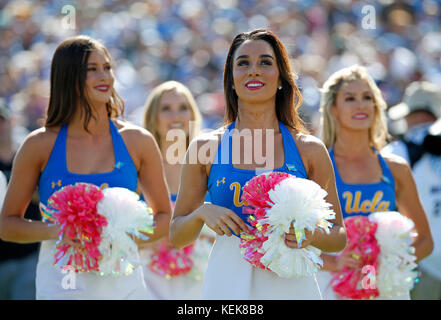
(354, 130)
(82, 141)
(261, 94)
(171, 106)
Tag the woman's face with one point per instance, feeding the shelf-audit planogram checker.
(355, 107)
(99, 79)
(255, 71)
(174, 112)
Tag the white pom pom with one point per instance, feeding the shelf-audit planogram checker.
(396, 275)
(125, 215)
(301, 202)
(287, 262)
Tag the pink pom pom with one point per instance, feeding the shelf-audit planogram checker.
(362, 242)
(75, 210)
(169, 262)
(256, 198)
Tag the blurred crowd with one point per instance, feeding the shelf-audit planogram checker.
(187, 40)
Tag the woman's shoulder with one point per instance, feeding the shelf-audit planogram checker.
(399, 167)
(38, 144)
(125, 126)
(210, 135)
(133, 133)
(308, 144)
(312, 150)
(41, 138)
(203, 148)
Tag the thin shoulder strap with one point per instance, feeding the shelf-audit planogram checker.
(121, 153)
(387, 173)
(223, 155)
(336, 173)
(58, 155)
(293, 160)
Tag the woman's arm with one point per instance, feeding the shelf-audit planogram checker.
(409, 204)
(191, 212)
(153, 184)
(319, 168)
(26, 171)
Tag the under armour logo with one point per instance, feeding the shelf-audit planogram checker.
(223, 181)
(56, 184)
(291, 167)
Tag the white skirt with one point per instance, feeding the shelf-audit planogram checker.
(230, 277)
(53, 283)
(184, 287)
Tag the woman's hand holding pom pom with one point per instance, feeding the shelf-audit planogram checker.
(291, 239)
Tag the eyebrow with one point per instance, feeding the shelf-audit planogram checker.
(261, 56)
(93, 63)
(351, 93)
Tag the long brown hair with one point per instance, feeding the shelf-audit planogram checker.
(67, 83)
(288, 99)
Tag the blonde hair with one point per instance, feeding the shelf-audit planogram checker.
(152, 108)
(378, 130)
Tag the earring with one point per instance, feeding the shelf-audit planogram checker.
(280, 88)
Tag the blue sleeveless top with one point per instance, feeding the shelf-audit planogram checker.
(363, 199)
(55, 175)
(225, 182)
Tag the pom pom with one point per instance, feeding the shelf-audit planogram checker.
(362, 242)
(201, 252)
(382, 241)
(126, 215)
(169, 262)
(274, 202)
(73, 208)
(396, 275)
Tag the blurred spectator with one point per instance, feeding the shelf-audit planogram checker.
(420, 108)
(155, 41)
(17, 261)
(421, 147)
(427, 172)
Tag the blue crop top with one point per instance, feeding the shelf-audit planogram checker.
(363, 199)
(55, 175)
(225, 182)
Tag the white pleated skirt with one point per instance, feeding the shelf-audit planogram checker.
(230, 277)
(184, 287)
(52, 283)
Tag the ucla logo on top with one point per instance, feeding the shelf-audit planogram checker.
(352, 203)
